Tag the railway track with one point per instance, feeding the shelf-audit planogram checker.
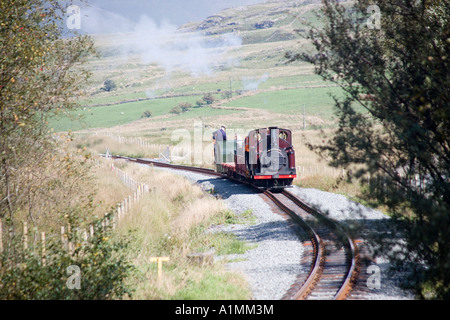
(334, 262)
(334, 265)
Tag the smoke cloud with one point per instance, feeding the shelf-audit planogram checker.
(252, 83)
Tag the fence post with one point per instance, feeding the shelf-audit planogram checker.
(114, 219)
(25, 235)
(1, 236)
(43, 248)
(63, 240)
(69, 234)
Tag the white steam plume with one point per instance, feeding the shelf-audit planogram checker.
(162, 44)
(252, 83)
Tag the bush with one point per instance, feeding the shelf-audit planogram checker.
(181, 107)
(227, 95)
(199, 103)
(209, 99)
(176, 110)
(102, 265)
(108, 85)
(185, 106)
(146, 114)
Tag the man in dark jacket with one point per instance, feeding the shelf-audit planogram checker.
(224, 134)
(219, 137)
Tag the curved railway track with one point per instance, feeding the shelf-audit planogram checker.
(334, 259)
(334, 265)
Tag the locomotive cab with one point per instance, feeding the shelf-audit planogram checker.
(265, 158)
(271, 157)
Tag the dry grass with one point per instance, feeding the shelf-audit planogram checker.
(110, 189)
(312, 169)
(197, 212)
(98, 143)
(162, 224)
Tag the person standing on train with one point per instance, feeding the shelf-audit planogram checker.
(223, 132)
(220, 135)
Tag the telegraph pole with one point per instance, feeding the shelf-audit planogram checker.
(303, 116)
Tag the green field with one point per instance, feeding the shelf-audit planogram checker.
(317, 101)
(115, 115)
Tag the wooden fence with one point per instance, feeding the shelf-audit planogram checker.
(110, 219)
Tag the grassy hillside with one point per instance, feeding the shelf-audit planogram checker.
(237, 56)
(255, 63)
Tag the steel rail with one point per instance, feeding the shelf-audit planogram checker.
(318, 250)
(353, 256)
(171, 166)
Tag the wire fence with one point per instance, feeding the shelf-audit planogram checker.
(67, 234)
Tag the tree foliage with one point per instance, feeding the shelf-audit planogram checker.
(40, 76)
(108, 85)
(208, 98)
(31, 274)
(394, 122)
(42, 182)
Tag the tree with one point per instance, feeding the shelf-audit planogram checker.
(394, 121)
(40, 76)
(108, 85)
(42, 182)
(146, 114)
(176, 110)
(185, 106)
(209, 98)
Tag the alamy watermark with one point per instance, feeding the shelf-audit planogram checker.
(374, 280)
(200, 148)
(74, 280)
(73, 17)
(374, 21)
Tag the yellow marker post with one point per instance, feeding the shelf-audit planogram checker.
(160, 261)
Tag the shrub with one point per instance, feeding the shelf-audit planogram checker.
(146, 114)
(108, 85)
(102, 265)
(185, 106)
(209, 99)
(227, 95)
(176, 110)
(199, 103)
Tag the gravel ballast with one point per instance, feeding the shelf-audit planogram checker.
(272, 266)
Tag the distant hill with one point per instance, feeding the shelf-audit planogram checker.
(112, 16)
(209, 17)
(262, 22)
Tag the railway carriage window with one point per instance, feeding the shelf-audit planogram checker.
(283, 135)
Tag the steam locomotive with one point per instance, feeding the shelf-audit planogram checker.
(265, 157)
